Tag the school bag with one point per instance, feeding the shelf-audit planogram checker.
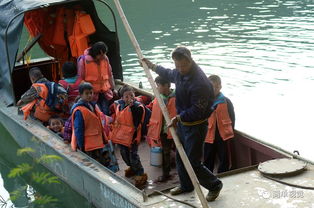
(57, 97)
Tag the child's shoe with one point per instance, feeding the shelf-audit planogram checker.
(140, 180)
(129, 172)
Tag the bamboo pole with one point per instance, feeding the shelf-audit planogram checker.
(163, 107)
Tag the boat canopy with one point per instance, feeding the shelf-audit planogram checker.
(11, 25)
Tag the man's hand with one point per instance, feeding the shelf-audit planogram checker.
(149, 64)
(19, 103)
(130, 102)
(174, 121)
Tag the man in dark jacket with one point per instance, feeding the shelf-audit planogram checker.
(194, 98)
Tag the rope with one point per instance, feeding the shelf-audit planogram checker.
(287, 183)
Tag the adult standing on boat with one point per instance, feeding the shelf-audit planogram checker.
(94, 67)
(194, 98)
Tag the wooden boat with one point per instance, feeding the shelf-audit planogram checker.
(244, 185)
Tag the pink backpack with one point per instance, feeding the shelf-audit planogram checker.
(72, 89)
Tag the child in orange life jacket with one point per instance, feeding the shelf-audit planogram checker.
(56, 125)
(94, 67)
(42, 99)
(70, 82)
(126, 132)
(158, 133)
(88, 134)
(220, 129)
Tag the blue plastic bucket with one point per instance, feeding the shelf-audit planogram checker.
(156, 156)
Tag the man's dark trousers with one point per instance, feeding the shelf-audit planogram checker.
(192, 139)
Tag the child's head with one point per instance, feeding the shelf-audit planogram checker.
(69, 70)
(86, 91)
(163, 85)
(97, 50)
(127, 94)
(35, 74)
(55, 124)
(216, 82)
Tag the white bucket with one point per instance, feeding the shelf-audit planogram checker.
(156, 156)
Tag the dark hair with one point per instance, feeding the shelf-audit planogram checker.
(35, 73)
(215, 78)
(85, 86)
(124, 89)
(98, 48)
(69, 69)
(55, 117)
(181, 53)
(163, 81)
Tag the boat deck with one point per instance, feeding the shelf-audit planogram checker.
(245, 187)
(251, 189)
(152, 171)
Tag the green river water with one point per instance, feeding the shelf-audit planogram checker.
(262, 49)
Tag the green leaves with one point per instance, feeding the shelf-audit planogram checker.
(37, 177)
(24, 150)
(45, 199)
(20, 170)
(14, 195)
(44, 178)
(48, 158)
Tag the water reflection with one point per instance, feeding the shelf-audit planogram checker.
(28, 188)
(263, 50)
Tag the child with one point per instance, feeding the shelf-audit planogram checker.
(88, 134)
(56, 125)
(220, 129)
(94, 67)
(126, 132)
(67, 130)
(158, 133)
(70, 82)
(43, 99)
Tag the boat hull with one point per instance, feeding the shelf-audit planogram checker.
(93, 181)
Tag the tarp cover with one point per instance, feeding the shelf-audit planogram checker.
(10, 8)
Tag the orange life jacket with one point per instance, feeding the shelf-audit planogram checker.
(42, 111)
(221, 118)
(123, 127)
(83, 27)
(94, 137)
(97, 75)
(156, 119)
(53, 23)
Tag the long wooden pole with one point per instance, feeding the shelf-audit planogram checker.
(163, 107)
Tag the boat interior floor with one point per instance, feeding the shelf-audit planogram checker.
(152, 172)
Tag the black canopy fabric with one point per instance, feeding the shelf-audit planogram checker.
(11, 24)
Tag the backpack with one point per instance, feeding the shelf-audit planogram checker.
(57, 97)
(71, 89)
